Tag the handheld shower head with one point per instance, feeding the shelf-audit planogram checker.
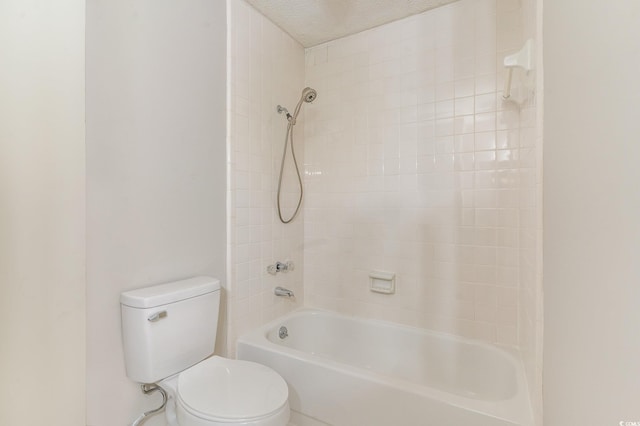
(309, 95)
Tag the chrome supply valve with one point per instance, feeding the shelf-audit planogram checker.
(280, 267)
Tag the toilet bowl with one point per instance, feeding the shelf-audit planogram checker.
(220, 391)
(169, 335)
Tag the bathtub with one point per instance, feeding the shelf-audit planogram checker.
(345, 371)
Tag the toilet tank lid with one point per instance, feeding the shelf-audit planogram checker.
(162, 294)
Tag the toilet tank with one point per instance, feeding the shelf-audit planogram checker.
(169, 327)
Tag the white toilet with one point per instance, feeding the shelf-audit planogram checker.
(169, 331)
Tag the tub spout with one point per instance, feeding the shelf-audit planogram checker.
(280, 291)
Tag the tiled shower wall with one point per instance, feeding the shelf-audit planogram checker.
(413, 166)
(266, 68)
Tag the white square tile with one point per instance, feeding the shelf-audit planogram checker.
(406, 130)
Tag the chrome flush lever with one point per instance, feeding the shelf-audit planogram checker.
(157, 316)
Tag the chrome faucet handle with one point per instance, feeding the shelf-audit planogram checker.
(280, 267)
(284, 267)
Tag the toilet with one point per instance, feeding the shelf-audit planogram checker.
(169, 334)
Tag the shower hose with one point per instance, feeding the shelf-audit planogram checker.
(288, 140)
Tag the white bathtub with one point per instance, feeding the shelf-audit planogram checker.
(344, 371)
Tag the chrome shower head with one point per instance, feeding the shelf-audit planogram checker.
(309, 95)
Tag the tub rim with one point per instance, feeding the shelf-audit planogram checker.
(516, 409)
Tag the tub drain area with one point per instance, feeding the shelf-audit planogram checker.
(283, 332)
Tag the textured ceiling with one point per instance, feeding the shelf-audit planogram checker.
(313, 22)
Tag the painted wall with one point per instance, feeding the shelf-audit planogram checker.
(530, 321)
(266, 68)
(413, 165)
(42, 213)
(156, 209)
(591, 211)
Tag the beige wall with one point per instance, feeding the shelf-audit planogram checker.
(42, 213)
(591, 212)
(156, 186)
(530, 300)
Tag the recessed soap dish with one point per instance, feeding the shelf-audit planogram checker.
(382, 282)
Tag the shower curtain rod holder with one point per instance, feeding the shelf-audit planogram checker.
(521, 59)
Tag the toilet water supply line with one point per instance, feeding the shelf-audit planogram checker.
(147, 389)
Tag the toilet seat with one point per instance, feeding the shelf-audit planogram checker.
(231, 391)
